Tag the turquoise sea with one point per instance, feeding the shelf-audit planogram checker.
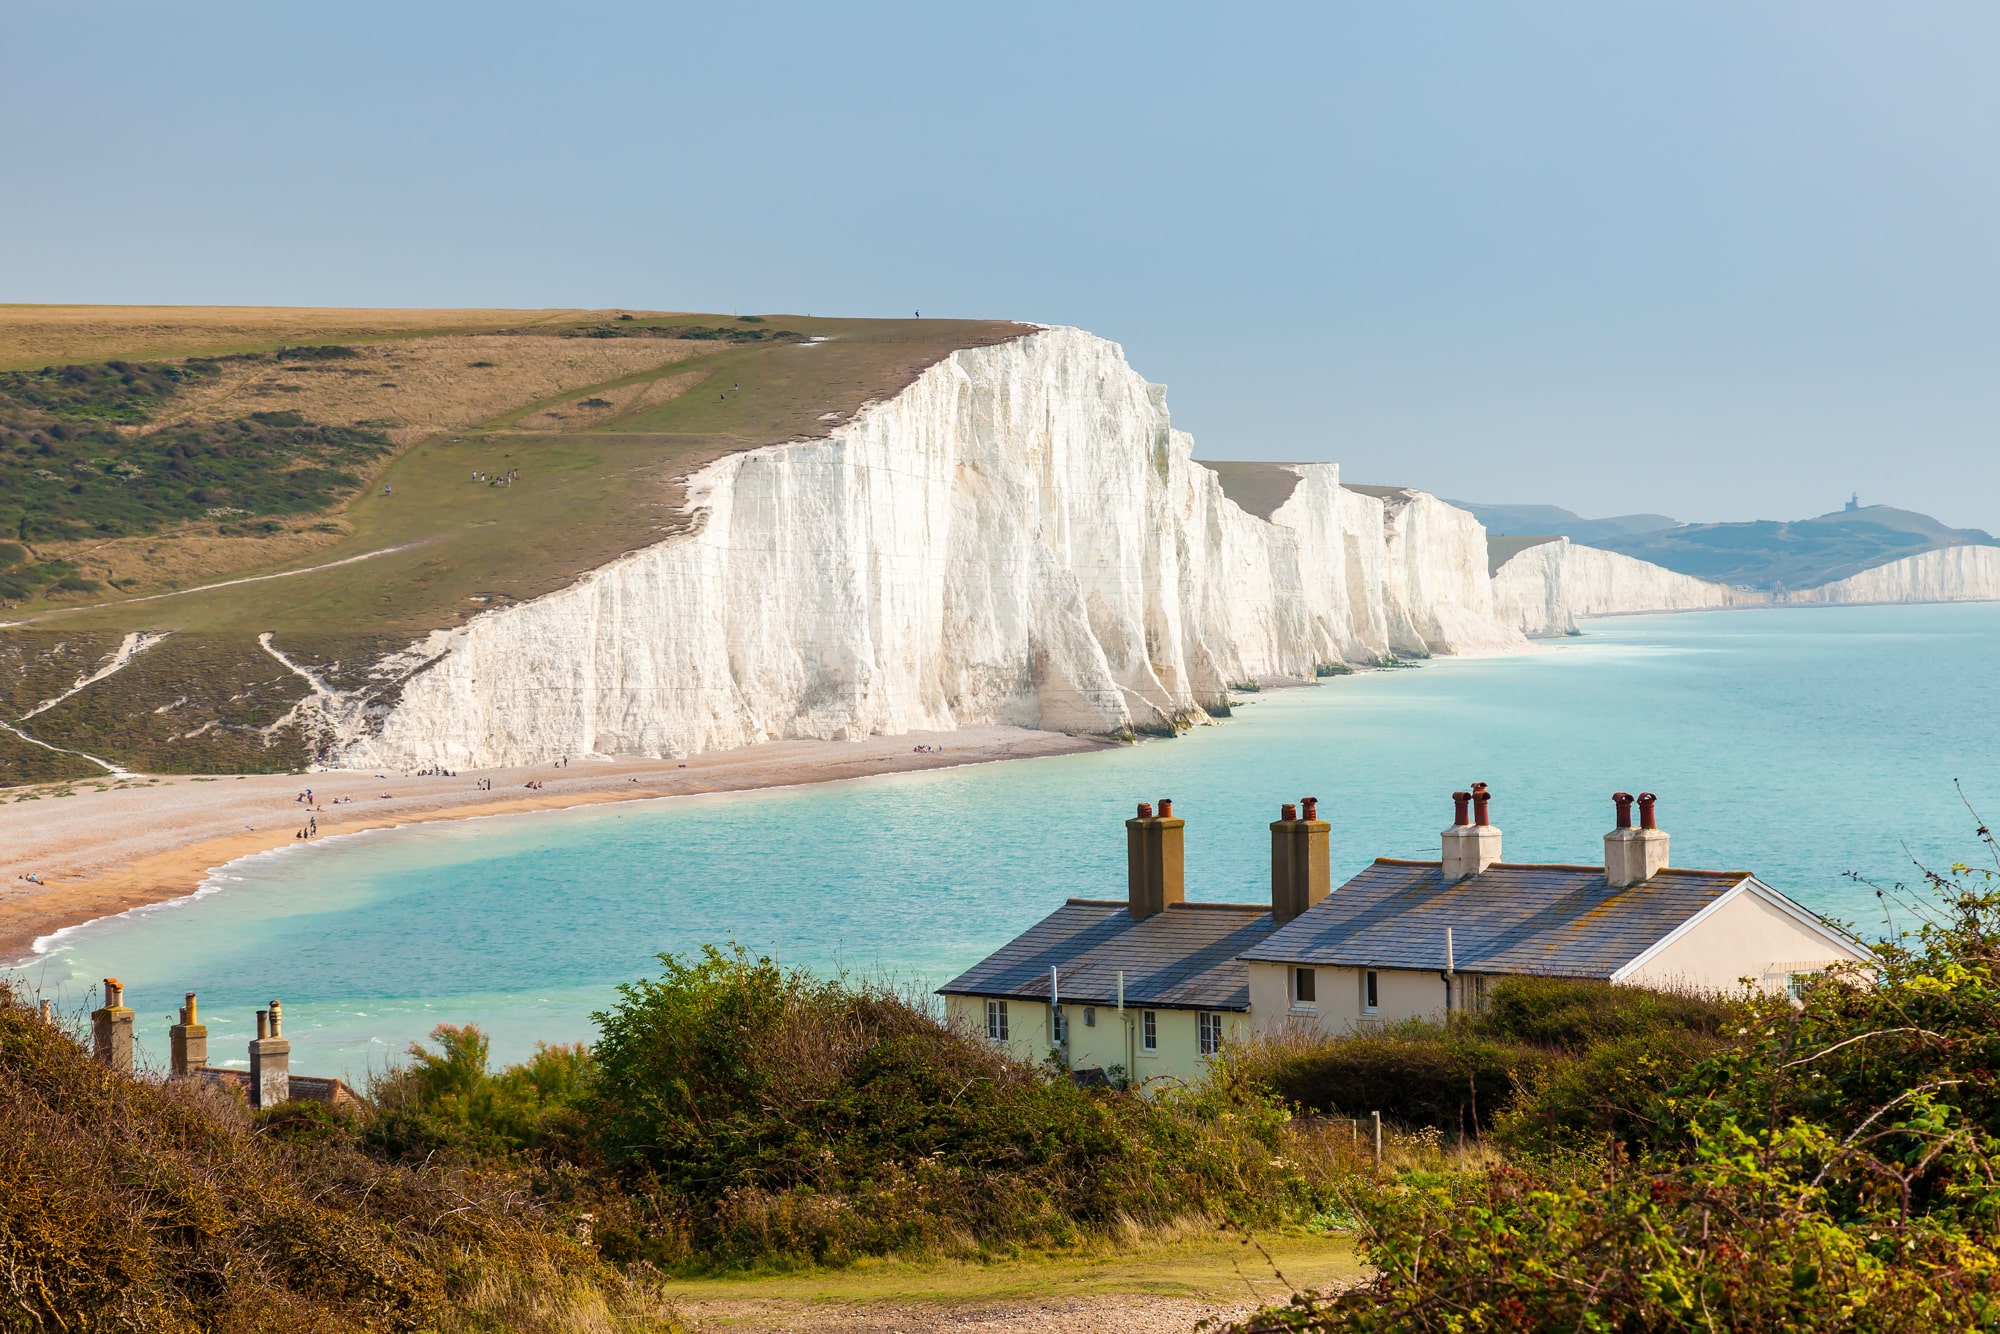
(1803, 744)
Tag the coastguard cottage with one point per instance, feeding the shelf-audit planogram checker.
(1151, 986)
(1421, 939)
(1143, 988)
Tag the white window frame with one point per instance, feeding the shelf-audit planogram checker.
(1090, 1016)
(1797, 983)
(1304, 980)
(1149, 1030)
(1058, 1025)
(1208, 1033)
(996, 1021)
(1371, 991)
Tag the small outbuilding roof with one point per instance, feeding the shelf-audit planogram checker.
(1185, 957)
(1559, 921)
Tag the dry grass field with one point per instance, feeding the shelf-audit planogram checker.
(596, 411)
(416, 387)
(33, 336)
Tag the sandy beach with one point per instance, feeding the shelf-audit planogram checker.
(100, 846)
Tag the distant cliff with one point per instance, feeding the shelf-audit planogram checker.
(1543, 589)
(1952, 574)
(1020, 537)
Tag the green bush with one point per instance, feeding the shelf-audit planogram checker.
(448, 1100)
(1552, 1062)
(1415, 1074)
(755, 1113)
(1573, 1014)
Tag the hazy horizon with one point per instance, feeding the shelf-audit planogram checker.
(1710, 261)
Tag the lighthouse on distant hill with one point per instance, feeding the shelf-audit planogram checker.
(1854, 502)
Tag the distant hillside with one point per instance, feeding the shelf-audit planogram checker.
(1554, 521)
(1766, 554)
(1801, 554)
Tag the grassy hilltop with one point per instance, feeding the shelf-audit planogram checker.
(159, 465)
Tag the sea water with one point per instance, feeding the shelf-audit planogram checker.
(1808, 745)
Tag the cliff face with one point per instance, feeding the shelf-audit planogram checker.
(1952, 574)
(1019, 537)
(1544, 589)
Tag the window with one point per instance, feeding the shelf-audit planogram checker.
(1149, 1032)
(1089, 1017)
(1058, 1029)
(1305, 986)
(1371, 992)
(1798, 984)
(1208, 1033)
(996, 1020)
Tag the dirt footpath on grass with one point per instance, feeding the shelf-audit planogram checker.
(1106, 1314)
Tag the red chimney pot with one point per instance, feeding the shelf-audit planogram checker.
(1623, 801)
(1311, 807)
(1646, 802)
(1461, 803)
(1288, 812)
(1480, 796)
(1145, 810)
(1166, 808)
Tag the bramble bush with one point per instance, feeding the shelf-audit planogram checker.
(1833, 1164)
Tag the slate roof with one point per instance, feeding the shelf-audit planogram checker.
(1558, 921)
(1183, 958)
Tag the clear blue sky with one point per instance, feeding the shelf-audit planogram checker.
(1724, 260)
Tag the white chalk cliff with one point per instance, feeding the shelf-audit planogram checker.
(1544, 589)
(1950, 574)
(1018, 537)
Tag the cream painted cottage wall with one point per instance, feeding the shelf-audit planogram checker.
(1112, 1041)
(1400, 994)
(1743, 936)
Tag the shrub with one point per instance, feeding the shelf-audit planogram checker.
(1833, 1164)
(448, 1101)
(754, 1112)
(1573, 1013)
(134, 1205)
(326, 352)
(1416, 1074)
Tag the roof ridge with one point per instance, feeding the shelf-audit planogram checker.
(1094, 903)
(1197, 903)
(1405, 861)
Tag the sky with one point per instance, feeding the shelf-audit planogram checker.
(1717, 260)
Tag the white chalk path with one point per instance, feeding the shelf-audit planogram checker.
(129, 648)
(227, 583)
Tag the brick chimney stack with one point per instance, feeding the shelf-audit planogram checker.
(270, 1060)
(1156, 870)
(1301, 862)
(188, 1041)
(1632, 856)
(111, 1029)
(1471, 844)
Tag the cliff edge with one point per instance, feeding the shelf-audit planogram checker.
(1020, 536)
